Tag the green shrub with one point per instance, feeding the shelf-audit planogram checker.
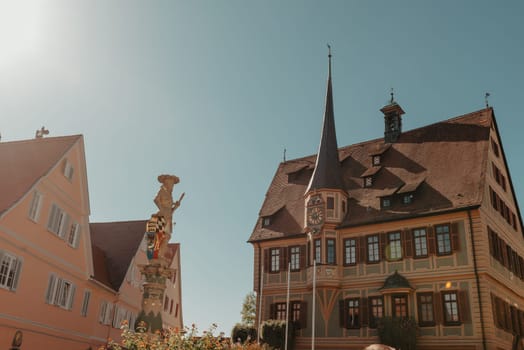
(244, 333)
(398, 332)
(273, 333)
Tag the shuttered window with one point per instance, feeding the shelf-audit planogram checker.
(394, 246)
(420, 242)
(399, 305)
(426, 315)
(58, 221)
(330, 253)
(275, 260)
(443, 239)
(85, 303)
(10, 269)
(450, 308)
(350, 251)
(34, 208)
(60, 292)
(294, 255)
(373, 249)
(376, 310)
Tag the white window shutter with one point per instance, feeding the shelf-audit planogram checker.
(71, 297)
(64, 227)
(76, 239)
(103, 308)
(51, 224)
(50, 293)
(18, 268)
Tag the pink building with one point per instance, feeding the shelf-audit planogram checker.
(65, 283)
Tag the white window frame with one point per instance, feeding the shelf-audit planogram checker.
(74, 234)
(58, 222)
(10, 269)
(85, 303)
(68, 170)
(34, 207)
(60, 292)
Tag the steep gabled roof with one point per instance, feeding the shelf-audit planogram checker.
(23, 163)
(114, 244)
(443, 163)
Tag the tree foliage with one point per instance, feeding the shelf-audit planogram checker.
(398, 332)
(243, 333)
(273, 333)
(249, 309)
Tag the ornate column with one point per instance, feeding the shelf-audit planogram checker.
(156, 271)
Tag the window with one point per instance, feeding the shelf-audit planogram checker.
(58, 221)
(280, 311)
(74, 233)
(376, 308)
(171, 307)
(10, 268)
(497, 174)
(386, 202)
(420, 242)
(266, 221)
(450, 303)
(68, 170)
(85, 303)
(400, 305)
(318, 251)
(353, 313)
(368, 181)
(106, 312)
(344, 204)
(60, 292)
(376, 160)
(331, 258)
(176, 310)
(443, 240)
(330, 206)
(166, 303)
(34, 208)
(275, 259)
(295, 258)
(407, 198)
(425, 309)
(350, 252)
(298, 313)
(395, 246)
(373, 249)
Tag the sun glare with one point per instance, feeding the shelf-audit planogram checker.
(20, 29)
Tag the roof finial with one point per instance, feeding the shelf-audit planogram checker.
(40, 133)
(329, 56)
(486, 99)
(284, 155)
(392, 93)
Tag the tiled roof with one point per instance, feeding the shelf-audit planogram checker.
(114, 244)
(443, 163)
(23, 163)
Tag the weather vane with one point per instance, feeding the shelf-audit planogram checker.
(392, 93)
(486, 99)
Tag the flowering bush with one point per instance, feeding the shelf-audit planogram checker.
(174, 339)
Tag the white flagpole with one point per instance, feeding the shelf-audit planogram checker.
(260, 303)
(314, 299)
(287, 301)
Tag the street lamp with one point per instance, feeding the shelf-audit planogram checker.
(309, 237)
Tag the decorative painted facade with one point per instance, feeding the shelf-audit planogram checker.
(65, 283)
(421, 224)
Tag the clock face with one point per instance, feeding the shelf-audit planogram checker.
(315, 216)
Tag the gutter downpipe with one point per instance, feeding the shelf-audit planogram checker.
(477, 279)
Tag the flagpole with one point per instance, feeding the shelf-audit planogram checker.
(260, 303)
(287, 301)
(314, 299)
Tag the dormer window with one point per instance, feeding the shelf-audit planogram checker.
(266, 221)
(407, 198)
(376, 160)
(368, 181)
(386, 202)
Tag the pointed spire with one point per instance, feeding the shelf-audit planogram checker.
(327, 173)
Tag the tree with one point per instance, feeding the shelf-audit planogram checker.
(249, 310)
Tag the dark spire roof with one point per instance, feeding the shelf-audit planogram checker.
(327, 173)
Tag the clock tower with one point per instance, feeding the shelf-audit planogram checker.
(326, 196)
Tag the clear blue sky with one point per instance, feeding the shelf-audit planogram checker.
(213, 91)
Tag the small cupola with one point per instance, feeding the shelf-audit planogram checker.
(392, 120)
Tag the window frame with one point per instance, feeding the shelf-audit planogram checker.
(373, 249)
(385, 202)
(422, 309)
(85, 303)
(375, 160)
(274, 262)
(437, 240)
(373, 318)
(404, 306)
(317, 252)
(368, 181)
(331, 251)
(35, 206)
(397, 240)
(417, 244)
(294, 257)
(455, 308)
(350, 252)
(10, 272)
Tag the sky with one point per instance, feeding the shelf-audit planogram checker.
(214, 91)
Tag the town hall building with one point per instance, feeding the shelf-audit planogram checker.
(421, 224)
